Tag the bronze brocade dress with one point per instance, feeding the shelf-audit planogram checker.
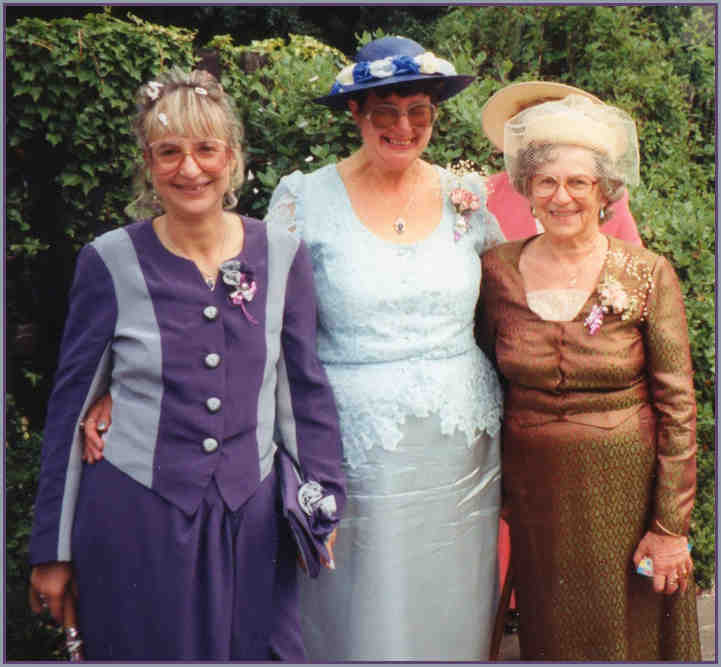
(598, 443)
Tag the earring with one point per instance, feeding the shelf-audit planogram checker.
(155, 202)
(602, 214)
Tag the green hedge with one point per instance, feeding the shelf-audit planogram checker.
(71, 156)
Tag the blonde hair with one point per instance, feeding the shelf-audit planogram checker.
(184, 103)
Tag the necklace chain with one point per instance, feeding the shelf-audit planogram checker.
(399, 224)
(209, 278)
(572, 281)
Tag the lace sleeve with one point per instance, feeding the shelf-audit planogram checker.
(493, 235)
(286, 204)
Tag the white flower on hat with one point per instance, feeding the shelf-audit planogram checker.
(429, 63)
(382, 68)
(345, 76)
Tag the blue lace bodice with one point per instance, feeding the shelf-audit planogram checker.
(395, 320)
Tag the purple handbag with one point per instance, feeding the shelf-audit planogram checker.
(310, 514)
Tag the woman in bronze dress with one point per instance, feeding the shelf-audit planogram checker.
(599, 457)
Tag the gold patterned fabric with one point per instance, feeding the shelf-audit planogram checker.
(598, 442)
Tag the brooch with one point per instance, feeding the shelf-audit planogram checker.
(238, 276)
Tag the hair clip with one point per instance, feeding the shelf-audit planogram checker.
(200, 90)
(163, 119)
(153, 90)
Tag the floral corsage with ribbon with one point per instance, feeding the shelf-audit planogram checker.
(616, 298)
(464, 202)
(239, 278)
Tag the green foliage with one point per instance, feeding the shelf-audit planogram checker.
(71, 84)
(283, 131)
(32, 637)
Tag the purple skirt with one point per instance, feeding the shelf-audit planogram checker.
(157, 584)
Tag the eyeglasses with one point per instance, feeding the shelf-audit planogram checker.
(576, 186)
(210, 155)
(386, 115)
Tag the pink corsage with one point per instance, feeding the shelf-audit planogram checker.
(239, 278)
(464, 202)
(614, 298)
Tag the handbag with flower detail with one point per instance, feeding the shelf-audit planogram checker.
(311, 514)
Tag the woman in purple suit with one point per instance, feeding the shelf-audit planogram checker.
(202, 324)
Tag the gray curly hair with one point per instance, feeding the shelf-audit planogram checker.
(526, 163)
(173, 104)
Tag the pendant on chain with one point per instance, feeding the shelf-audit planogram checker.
(399, 225)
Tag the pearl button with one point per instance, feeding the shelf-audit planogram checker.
(210, 445)
(213, 404)
(210, 312)
(212, 360)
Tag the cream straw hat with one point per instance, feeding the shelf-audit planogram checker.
(575, 120)
(513, 99)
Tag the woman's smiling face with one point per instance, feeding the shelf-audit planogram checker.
(565, 193)
(191, 188)
(398, 146)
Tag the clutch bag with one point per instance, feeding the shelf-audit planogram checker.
(311, 515)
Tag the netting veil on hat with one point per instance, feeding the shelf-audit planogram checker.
(575, 121)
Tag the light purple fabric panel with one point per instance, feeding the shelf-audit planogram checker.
(137, 363)
(281, 251)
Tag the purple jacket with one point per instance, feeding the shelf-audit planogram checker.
(199, 390)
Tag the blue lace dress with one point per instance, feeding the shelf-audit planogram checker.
(420, 408)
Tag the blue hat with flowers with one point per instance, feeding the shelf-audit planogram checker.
(389, 61)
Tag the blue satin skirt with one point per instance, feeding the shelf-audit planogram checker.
(416, 575)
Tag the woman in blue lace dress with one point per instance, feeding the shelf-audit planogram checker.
(395, 245)
(397, 272)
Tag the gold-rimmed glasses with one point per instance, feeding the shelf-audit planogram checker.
(210, 154)
(576, 186)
